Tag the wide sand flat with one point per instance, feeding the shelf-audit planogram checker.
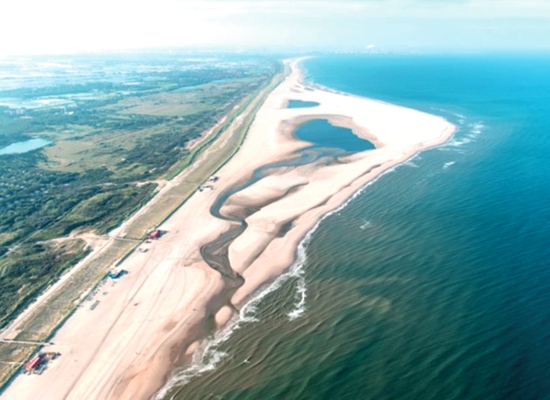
(127, 346)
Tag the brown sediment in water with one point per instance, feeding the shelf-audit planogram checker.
(223, 245)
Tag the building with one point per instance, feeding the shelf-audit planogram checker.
(155, 234)
(33, 364)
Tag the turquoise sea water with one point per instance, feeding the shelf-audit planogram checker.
(434, 281)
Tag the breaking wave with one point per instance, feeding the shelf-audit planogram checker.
(471, 132)
(301, 296)
(365, 225)
(448, 164)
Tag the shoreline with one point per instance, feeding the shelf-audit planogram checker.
(156, 317)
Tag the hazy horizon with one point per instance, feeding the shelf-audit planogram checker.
(62, 26)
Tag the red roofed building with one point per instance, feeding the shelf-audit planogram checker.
(155, 234)
(33, 364)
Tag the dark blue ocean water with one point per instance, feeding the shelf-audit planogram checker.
(434, 282)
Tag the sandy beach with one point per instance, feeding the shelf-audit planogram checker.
(222, 245)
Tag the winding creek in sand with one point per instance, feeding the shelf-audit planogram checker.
(320, 153)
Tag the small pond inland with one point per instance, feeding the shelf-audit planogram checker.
(23, 147)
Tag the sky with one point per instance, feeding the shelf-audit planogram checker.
(66, 26)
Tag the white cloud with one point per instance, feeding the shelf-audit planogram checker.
(59, 25)
(67, 25)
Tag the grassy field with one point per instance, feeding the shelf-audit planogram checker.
(142, 119)
(182, 103)
(12, 358)
(27, 264)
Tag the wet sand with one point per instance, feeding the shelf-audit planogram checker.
(222, 245)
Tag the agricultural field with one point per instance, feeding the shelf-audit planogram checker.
(109, 129)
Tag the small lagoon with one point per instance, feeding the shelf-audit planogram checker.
(323, 134)
(24, 147)
(302, 104)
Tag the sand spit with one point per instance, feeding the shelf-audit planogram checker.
(222, 245)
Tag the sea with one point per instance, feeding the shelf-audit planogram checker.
(432, 282)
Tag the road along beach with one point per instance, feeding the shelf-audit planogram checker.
(224, 243)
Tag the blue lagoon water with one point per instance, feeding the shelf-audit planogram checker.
(301, 104)
(323, 134)
(434, 281)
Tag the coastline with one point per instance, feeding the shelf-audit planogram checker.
(171, 296)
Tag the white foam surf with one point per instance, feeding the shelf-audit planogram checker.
(300, 302)
(477, 128)
(448, 164)
(365, 225)
(460, 139)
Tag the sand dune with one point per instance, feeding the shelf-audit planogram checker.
(127, 347)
